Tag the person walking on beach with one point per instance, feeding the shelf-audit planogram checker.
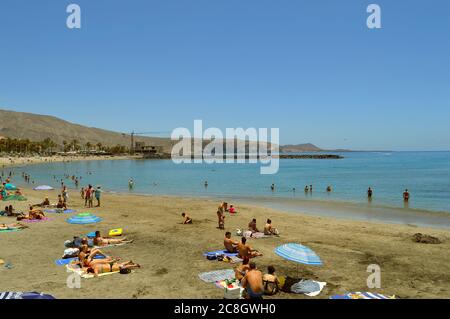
(221, 219)
(82, 192)
(98, 193)
(406, 196)
(65, 194)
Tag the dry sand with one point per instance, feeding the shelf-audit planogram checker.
(171, 253)
(15, 161)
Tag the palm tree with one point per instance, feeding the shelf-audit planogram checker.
(75, 145)
(99, 146)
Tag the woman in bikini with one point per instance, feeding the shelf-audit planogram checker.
(86, 257)
(101, 241)
(13, 226)
(123, 268)
(270, 282)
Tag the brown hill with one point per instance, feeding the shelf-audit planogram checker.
(39, 127)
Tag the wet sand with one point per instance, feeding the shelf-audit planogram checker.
(171, 253)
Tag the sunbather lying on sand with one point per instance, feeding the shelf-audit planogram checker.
(12, 226)
(44, 204)
(104, 241)
(245, 250)
(86, 257)
(123, 268)
(33, 214)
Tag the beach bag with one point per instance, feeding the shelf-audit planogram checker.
(70, 253)
(211, 256)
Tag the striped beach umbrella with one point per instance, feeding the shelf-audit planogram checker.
(299, 254)
(84, 218)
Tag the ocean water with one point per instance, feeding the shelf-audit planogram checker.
(425, 174)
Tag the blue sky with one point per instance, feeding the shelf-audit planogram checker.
(311, 68)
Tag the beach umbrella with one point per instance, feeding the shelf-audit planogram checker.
(24, 295)
(43, 188)
(10, 187)
(299, 254)
(84, 218)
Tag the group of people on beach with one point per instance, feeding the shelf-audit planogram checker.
(88, 195)
(88, 250)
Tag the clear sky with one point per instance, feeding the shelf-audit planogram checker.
(311, 68)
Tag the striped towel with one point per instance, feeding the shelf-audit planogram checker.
(11, 295)
(362, 295)
(217, 275)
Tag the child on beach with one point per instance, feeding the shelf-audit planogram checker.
(98, 193)
(187, 219)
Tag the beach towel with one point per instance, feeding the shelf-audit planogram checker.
(310, 288)
(362, 295)
(217, 275)
(19, 198)
(64, 262)
(9, 230)
(77, 270)
(24, 295)
(249, 234)
(35, 220)
(220, 253)
(60, 211)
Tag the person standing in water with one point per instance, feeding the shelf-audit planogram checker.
(130, 184)
(272, 187)
(406, 196)
(206, 184)
(369, 193)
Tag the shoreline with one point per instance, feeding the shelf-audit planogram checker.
(11, 161)
(341, 209)
(164, 248)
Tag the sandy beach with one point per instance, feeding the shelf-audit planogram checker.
(171, 253)
(28, 160)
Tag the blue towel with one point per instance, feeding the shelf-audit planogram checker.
(63, 262)
(221, 252)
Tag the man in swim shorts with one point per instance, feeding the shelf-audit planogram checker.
(253, 283)
(230, 245)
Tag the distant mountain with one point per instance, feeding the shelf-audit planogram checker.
(308, 147)
(39, 127)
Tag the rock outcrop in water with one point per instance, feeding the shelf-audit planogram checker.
(311, 156)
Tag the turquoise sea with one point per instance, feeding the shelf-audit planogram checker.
(425, 174)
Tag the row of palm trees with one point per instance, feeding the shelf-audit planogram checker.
(48, 146)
